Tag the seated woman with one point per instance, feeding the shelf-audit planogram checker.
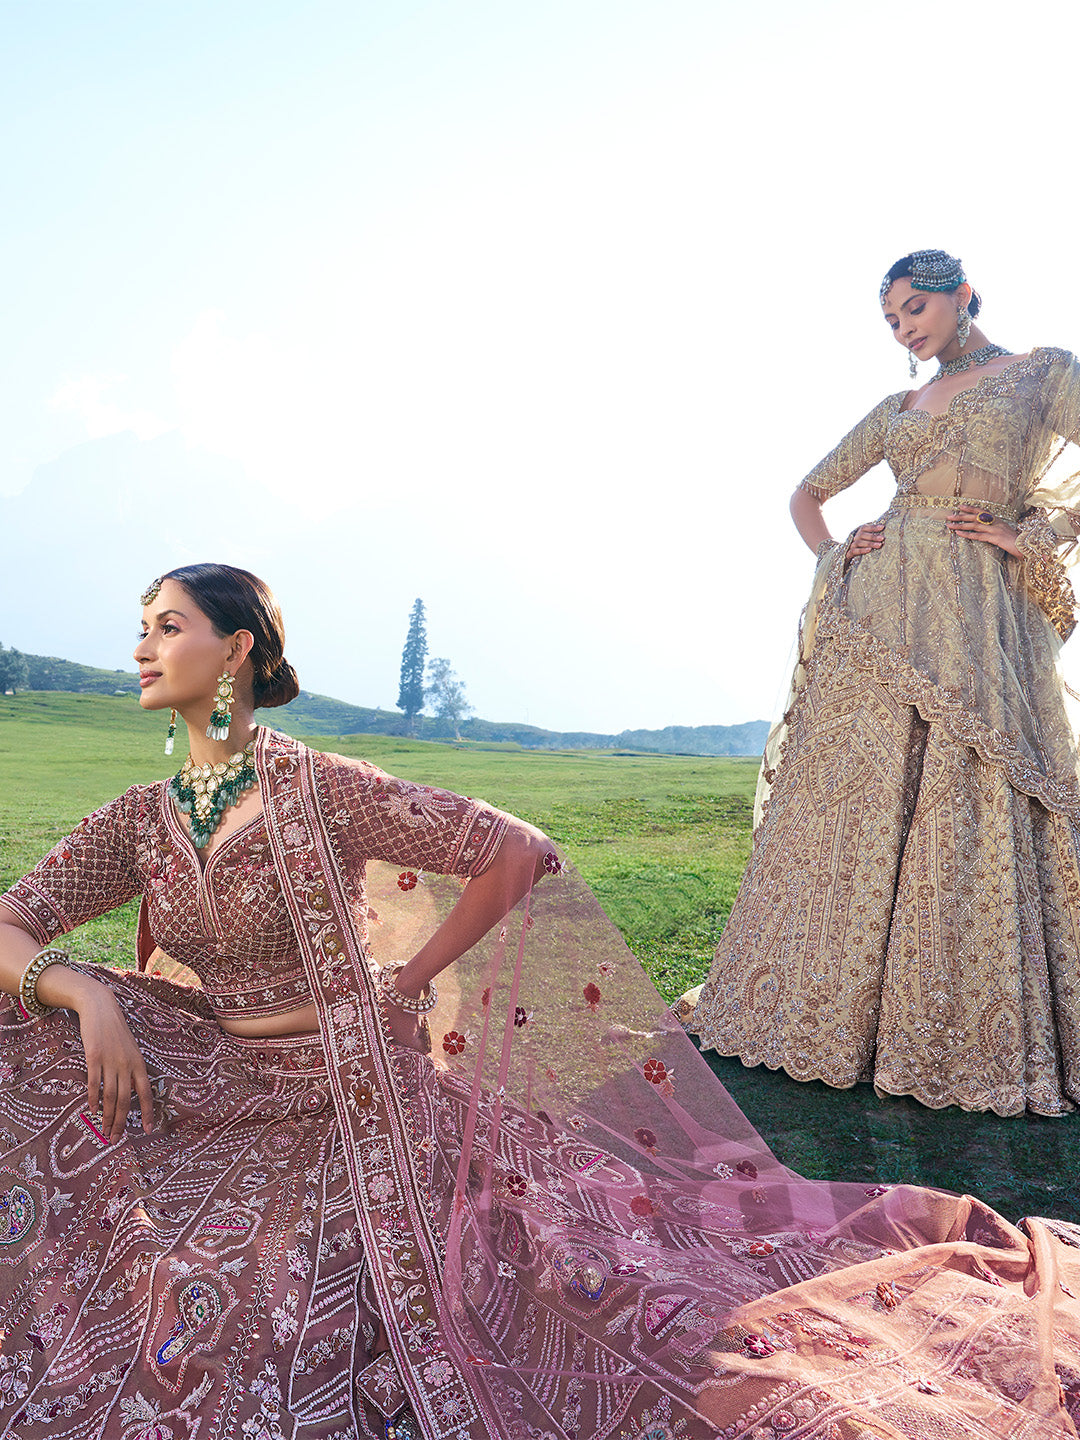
(248, 1206)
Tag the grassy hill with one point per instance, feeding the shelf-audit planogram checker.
(312, 714)
(662, 838)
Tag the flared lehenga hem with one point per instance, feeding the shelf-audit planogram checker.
(909, 915)
(930, 1102)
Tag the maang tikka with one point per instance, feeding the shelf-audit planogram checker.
(221, 715)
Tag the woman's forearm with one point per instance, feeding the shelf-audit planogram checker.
(57, 985)
(809, 521)
(483, 903)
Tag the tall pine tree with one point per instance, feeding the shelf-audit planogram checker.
(413, 659)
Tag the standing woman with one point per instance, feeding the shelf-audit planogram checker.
(910, 914)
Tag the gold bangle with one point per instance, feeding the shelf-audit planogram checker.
(31, 1005)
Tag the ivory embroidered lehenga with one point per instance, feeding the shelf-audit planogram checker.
(911, 911)
(566, 1228)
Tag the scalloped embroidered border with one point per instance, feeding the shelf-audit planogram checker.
(964, 728)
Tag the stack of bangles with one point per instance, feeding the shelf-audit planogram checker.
(411, 1004)
(28, 1000)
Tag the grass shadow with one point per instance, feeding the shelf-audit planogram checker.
(1022, 1165)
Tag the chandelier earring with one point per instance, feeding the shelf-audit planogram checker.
(171, 736)
(963, 325)
(221, 716)
(912, 367)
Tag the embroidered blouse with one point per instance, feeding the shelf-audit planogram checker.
(992, 443)
(228, 922)
(992, 446)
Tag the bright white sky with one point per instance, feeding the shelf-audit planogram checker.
(548, 303)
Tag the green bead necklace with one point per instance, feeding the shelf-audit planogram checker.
(205, 792)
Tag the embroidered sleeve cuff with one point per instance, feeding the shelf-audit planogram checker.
(36, 911)
(1036, 537)
(819, 492)
(478, 840)
(826, 548)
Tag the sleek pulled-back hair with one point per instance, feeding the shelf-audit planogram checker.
(909, 267)
(232, 600)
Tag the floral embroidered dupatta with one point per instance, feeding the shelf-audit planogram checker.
(574, 1232)
(395, 1216)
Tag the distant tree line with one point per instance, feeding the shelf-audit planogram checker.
(312, 714)
(48, 672)
(14, 671)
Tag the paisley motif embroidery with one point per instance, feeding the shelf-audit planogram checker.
(199, 1305)
(584, 1271)
(18, 1215)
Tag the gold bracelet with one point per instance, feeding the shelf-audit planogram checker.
(31, 1005)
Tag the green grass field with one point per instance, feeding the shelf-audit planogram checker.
(662, 839)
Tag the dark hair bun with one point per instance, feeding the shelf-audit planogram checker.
(281, 687)
(234, 599)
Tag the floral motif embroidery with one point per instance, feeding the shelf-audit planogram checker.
(299, 1263)
(758, 1346)
(380, 1188)
(49, 1327)
(454, 1042)
(407, 880)
(592, 996)
(14, 1377)
(285, 1322)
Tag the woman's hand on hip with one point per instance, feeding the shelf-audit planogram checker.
(976, 524)
(114, 1064)
(866, 538)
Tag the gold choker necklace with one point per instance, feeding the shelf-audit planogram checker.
(205, 792)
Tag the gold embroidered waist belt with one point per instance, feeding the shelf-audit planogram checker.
(914, 501)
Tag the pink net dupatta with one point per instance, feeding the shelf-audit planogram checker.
(574, 1232)
(624, 1255)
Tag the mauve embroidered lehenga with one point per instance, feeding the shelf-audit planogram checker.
(910, 914)
(566, 1228)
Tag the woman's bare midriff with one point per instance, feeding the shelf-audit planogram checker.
(304, 1021)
